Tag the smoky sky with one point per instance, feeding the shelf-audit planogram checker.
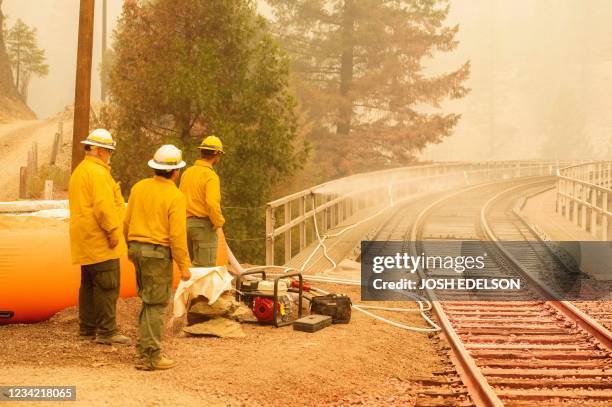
(525, 56)
(57, 22)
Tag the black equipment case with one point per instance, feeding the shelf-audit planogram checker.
(312, 323)
(336, 306)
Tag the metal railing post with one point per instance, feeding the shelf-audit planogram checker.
(605, 233)
(593, 211)
(302, 226)
(287, 208)
(269, 235)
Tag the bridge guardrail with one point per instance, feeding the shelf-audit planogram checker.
(584, 197)
(333, 202)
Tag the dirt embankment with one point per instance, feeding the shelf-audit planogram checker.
(17, 138)
(363, 363)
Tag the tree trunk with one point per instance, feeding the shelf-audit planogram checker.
(346, 68)
(103, 79)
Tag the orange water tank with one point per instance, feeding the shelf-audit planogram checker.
(37, 278)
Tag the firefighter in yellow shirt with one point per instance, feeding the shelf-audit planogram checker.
(96, 238)
(201, 186)
(155, 227)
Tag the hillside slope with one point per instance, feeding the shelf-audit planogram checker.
(11, 104)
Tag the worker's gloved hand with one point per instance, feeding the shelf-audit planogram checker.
(113, 241)
(185, 275)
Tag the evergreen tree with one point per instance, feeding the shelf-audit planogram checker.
(11, 104)
(25, 56)
(184, 69)
(361, 76)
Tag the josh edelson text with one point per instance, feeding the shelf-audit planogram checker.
(464, 272)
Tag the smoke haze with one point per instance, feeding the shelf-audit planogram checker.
(541, 69)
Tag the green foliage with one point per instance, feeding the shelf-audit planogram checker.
(361, 77)
(185, 69)
(25, 57)
(59, 175)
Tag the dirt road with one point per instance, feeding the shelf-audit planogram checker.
(363, 363)
(16, 140)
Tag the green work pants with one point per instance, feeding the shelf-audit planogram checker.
(202, 242)
(153, 265)
(98, 298)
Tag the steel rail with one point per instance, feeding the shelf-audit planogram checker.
(479, 389)
(565, 307)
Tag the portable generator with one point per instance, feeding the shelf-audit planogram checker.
(269, 299)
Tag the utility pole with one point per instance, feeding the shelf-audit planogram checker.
(103, 79)
(82, 94)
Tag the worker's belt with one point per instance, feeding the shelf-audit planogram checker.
(197, 221)
(151, 246)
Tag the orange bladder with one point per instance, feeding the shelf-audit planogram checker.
(37, 278)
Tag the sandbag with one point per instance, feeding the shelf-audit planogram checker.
(219, 327)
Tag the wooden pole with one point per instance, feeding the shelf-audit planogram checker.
(48, 194)
(103, 59)
(82, 93)
(55, 149)
(35, 157)
(23, 182)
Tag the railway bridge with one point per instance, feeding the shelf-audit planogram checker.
(352, 208)
(526, 349)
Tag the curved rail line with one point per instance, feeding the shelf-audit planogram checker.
(521, 351)
(512, 224)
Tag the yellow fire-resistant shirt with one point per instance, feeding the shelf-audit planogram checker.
(156, 214)
(96, 213)
(202, 188)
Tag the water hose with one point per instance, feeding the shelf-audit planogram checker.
(424, 304)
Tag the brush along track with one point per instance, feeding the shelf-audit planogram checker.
(516, 349)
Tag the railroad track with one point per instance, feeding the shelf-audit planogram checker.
(507, 225)
(521, 351)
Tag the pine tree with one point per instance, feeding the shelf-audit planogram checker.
(25, 56)
(11, 105)
(361, 75)
(184, 69)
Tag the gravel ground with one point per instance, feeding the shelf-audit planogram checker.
(365, 362)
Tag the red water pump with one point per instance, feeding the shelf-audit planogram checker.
(261, 295)
(263, 308)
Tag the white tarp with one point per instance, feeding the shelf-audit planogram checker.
(210, 282)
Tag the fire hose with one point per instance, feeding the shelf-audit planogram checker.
(424, 304)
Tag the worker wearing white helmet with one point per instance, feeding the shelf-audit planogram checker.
(96, 238)
(156, 231)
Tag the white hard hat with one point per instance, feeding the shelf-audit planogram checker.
(167, 157)
(100, 138)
